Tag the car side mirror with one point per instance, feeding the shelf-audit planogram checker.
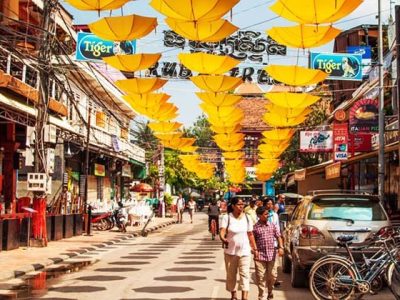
(284, 217)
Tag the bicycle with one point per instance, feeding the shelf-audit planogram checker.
(213, 229)
(338, 277)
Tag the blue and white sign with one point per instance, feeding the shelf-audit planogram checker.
(366, 54)
(90, 47)
(339, 66)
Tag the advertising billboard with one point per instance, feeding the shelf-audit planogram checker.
(89, 47)
(363, 116)
(366, 55)
(340, 141)
(316, 141)
(339, 66)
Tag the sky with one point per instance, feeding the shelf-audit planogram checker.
(249, 14)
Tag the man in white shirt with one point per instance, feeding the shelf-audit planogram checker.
(180, 206)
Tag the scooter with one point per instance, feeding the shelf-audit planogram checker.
(120, 219)
(103, 221)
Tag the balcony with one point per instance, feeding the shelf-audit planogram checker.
(23, 79)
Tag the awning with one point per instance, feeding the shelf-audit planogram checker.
(136, 162)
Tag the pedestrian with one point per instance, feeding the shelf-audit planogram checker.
(266, 233)
(191, 207)
(274, 218)
(236, 233)
(251, 211)
(213, 214)
(281, 203)
(180, 206)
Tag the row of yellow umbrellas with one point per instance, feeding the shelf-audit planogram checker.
(286, 110)
(194, 164)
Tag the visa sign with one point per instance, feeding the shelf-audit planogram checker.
(339, 66)
(90, 47)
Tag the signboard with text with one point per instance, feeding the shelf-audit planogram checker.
(333, 171)
(339, 66)
(91, 47)
(316, 141)
(340, 141)
(361, 141)
(300, 175)
(363, 116)
(99, 170)
(366, 55)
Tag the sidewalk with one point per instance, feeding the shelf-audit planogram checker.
(16, 263)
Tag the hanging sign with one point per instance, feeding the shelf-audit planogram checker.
(366, 55)
(340, 141)
(333, 171)
(99, 170)
(244, 45)
(339, 66)
(300, 175)
(316, 141)
(90, 47)
(360, 142)
(126, 171)
(364, 116)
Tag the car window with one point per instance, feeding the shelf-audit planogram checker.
(296, 210)
(357, 209)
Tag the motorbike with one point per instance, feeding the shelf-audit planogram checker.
(120, 219)
(102, 221)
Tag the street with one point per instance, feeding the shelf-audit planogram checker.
(179, 262)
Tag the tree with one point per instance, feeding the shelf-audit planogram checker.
(201, 130)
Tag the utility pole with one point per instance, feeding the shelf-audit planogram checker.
(397, 22)
(44, 62)
(87, 155)
(381, 151)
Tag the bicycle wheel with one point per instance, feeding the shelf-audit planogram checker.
(332, 279)
(213, 229)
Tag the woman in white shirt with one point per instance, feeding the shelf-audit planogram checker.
(237, 237)
(191, 206)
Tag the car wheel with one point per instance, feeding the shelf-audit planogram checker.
(286, 264)
(298, 276)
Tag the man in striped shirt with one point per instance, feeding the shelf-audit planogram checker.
(266, 233)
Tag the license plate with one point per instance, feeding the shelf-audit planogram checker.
(353, 234)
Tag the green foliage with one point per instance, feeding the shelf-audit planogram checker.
(202, 132)
(167, 199)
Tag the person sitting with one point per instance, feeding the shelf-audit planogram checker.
(213, 214)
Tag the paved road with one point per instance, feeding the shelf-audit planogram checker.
(179, 263)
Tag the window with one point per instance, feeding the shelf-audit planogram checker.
(357, 209)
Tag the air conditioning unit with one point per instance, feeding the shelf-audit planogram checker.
(39, 182)
(50, 134)
(50, 156)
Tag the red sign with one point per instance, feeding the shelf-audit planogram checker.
(340, 141)
(340, 115)
(362, 142)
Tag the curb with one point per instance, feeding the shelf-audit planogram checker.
(24, 270)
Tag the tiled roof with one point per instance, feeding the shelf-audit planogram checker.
(249, 88)
(254, 109)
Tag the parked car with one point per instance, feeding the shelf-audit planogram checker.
(310, 232)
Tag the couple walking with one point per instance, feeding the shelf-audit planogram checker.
(241, 239)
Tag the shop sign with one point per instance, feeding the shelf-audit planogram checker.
(126, 171)
(340, 141)
(364, 116)
(316, 141)
(89, 47)
(340, 115)
(362, 142)
(251, 172)
(366, 55)
(300, 175)
(339, 66)
(333, 171)
(391, 136)
(99, 170)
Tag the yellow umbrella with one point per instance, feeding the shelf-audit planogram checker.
(303, 36)
(165, 112)
(225, 129)
(164, 127)
(207, 63)
(263, 176)
(218, 111)
(272, 148)
(147, 100)
(177, 143)
(217, 83)
(314, 11)
(123, 28)
(292, 100)
(97, 4)
(274, 142)
(204, 31)
(231, 147)
(188, 149)
(265, 169)
(227, 122)
(282, 121)
(132, 62)
(193, 10)
(218, 99)
(140, 85)
(295, 75)
(233, 155)
(269, 155)
(278, 134)
(268, 163)
(228, 139)
(287, 112)
(168, 136)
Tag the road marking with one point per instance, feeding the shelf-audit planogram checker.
(214, 293)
